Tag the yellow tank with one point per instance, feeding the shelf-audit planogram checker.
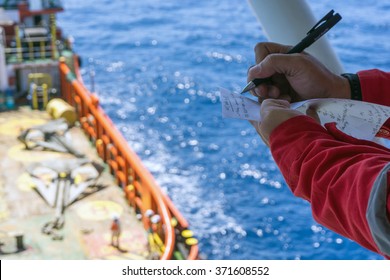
(58, 108)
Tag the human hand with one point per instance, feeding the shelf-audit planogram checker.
(295, 77)
(273, 113)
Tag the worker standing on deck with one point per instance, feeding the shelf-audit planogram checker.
(115, 232)
(346, 180)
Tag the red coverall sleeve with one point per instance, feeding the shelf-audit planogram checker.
(375, 86)
(335, 175)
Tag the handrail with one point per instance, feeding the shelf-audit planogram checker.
(182, 224)
(29, 53)
(87, 105)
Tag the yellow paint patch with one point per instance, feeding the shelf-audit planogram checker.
(132, 246)
(24, 182)
(99, 210)
(16, 126)
(19, 153)
(4, 215)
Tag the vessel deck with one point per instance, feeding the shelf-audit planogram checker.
(23, 211)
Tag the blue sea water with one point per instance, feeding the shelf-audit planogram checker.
(158, 68)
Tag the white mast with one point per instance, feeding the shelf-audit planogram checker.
(3, 69)
(287, 21)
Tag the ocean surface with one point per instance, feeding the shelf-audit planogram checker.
(158, 67)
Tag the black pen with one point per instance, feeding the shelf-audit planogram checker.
(322, 26)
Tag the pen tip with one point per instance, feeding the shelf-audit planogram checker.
(248, 87)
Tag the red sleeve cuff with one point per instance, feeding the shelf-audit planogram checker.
(375, 86)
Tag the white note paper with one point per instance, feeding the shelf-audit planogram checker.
(356, 118)
(240, 107)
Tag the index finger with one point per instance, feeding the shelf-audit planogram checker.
(265, 48)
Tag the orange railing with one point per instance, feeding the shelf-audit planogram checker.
(141, 190)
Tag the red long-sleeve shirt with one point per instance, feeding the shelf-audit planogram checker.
(344, 179)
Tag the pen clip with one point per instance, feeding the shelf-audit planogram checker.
(324, 20)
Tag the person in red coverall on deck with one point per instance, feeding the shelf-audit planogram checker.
(345, 179)
(115, 232)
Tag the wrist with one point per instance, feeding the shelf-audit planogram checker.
(353, 84)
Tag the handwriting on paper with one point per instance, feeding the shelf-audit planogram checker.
(238, 106)
(356, 118)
